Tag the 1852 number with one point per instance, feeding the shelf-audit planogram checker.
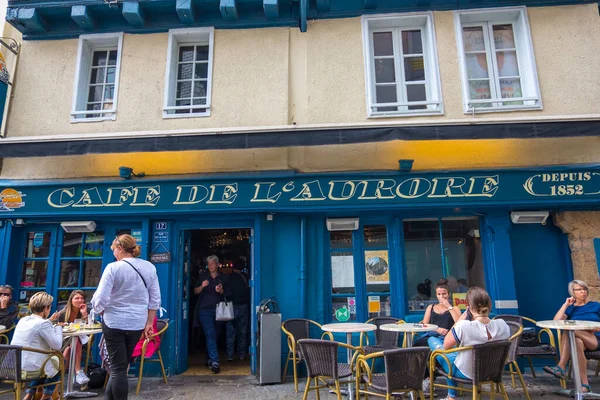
(566, 190)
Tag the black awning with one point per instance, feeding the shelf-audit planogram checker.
(291, 138)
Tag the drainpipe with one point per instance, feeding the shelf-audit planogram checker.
(303, 271)
(303, 15)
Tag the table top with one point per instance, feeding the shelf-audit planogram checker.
(408, 327)
(576, 326)
(82, 332)
(349, 327)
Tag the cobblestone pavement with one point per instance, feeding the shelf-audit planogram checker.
(247, 388)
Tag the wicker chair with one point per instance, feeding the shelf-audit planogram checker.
(404, 372)
(4, 337)
(516, 330)
(384, 340)
(162, 327)
(296, 329)
(489, 360)
(11, 373)
(321, 358)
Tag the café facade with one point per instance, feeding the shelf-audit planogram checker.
(369, 243)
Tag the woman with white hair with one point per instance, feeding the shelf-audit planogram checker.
(577, 308)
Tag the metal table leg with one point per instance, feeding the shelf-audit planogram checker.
(70, 393)
(349, 341)
(577, 393)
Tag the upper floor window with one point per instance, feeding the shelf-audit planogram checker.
(189, 73)
(97, 77)
(497, 62)
(401, 65)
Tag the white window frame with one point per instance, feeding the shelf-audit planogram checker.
(189, 36)
(517, 17)
(85, 51)
(422, 21)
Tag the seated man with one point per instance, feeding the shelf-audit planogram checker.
(9, 309)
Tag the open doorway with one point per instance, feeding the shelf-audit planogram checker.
(233, 249)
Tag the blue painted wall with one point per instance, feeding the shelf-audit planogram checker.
(542, 265)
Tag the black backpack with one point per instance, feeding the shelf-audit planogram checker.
(97, 376)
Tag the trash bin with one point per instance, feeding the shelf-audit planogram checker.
(269, 342)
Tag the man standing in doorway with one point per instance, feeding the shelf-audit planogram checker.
(209, 287)
(238, 292)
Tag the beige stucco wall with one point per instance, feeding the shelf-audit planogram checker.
(276, 76)
(582, 228)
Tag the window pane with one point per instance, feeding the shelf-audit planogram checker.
(511, 88)
(99, 58)
(480, 90)
(416, 93)
(97, 75)
(95, 94)
(69, 274)
(92, 269)
(462, 254)
(200, 102)
(201, 53)
(383, 44)
(377, 271)
(384, 71)
(182, 103)
(423, 260)
(184, 89)
(477, 66)
(342, 272)
(504, 37)
(112, 57)
(340, 239)
(344, 302)
(34, 273)
(414, 69)
(38, 245)
(507, 63)
(109, 92)
(94, 244)
(186, 53)
(386, 94)
(375, 236)
(110, 75)
(411, 42)
(473, 39)
(184, 71)
(199, 89)
(379, 306)
(201, 71)
(71, 244)
(63, 297)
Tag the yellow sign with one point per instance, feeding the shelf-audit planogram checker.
(374, 304)
(459, 300)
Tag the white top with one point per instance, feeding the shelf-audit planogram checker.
(349, 327)
(38, 333)
(408, 327)
(469, 333)
(122, 296)
(576, 326)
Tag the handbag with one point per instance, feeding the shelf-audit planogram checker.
(224, 311)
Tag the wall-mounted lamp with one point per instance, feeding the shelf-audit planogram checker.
(342, 224)
(127, 173)
(405, 165)
(529, 217)
(19, 222)
(78, 226)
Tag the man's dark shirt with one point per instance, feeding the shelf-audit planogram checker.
(209, 298)
(8, 315)
(236, 289)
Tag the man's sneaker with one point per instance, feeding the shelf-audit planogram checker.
(215, 368)
(81, 378)
(209, 362)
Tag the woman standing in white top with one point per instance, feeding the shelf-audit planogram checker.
(37, 332)
(128, 297)
(480, 330)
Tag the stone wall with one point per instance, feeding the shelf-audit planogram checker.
(582, 227)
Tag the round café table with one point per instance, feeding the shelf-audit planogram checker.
(70, 392)
(578, 394)
(408, 328)
(349, 328)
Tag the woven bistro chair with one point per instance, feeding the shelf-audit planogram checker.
(162, 327)
(404, 372)
(489, 360)
(384, 340)
(11, 373)
(4, 337)
(323, 368)
(516, 330)
(297, 329)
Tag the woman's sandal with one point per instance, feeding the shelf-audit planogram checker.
(588, 388)
(556, 371)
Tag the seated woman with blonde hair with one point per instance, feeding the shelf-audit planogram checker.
(36, 331)
(75, 309)
(578, 308)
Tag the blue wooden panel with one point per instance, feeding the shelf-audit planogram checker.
(229, 10)
(186, 11)
(370, 4)
(83, 17)
(597, 248)
(133, 13)
(31, 20)
(323, 5)
(271, 9)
